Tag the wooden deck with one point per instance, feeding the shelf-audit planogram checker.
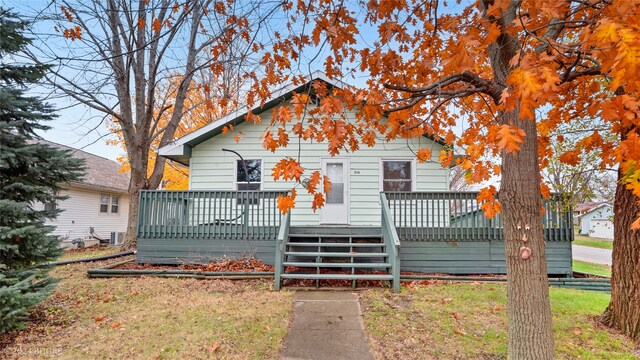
(443, 232)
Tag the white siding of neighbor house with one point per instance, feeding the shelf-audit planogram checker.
(213, 169)
(601, 228)
(82, 211)
(603, 213)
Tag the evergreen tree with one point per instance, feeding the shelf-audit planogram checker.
(30, 173)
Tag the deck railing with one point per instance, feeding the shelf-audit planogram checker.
(209, 214)
(391, 241)
(456, 216)
(281, 247)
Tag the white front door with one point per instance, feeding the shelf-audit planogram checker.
(336, 208)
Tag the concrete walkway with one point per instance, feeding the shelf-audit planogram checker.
(326, 325)
(591, 254)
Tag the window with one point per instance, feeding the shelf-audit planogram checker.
(115, 203)
(104, 203)
(397, 175)
(254, 182)
(254, 171)
(106, 200)
(50, 206)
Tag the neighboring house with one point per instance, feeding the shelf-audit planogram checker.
(98, 203)
(385, 210)
(583, 208)
(598, 221)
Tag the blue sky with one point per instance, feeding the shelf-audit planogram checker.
(81, 127)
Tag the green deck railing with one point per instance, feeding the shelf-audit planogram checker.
(281, 247)
(209, 214)
(392, 242)
(456, 216)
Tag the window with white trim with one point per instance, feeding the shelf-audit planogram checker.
(254, 173)
(109, 202)
(104, 203)
(397, 175)
(115, 204)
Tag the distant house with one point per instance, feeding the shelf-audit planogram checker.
(583, 208)
(96, 206)
(598, 221)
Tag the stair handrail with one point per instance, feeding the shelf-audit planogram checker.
(391, 240)
(281, 245)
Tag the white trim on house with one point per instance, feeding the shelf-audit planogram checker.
(414, 171)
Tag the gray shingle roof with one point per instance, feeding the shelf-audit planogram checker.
(99, 172)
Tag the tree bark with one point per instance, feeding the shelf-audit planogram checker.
(529, 310)
(623, 312)
(530, 334)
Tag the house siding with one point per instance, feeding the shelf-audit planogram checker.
(212, 169)
(603, 213)
(82, 211)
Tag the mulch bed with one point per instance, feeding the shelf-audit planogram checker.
(253, 265)
(244, 264)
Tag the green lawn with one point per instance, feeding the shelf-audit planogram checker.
(596, 269)
(153, 318)
(593, 242)
(469, 321)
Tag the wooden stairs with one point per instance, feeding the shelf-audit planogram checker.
(334, 254)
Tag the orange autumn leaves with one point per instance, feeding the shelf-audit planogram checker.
(317, 184)
(588, 70)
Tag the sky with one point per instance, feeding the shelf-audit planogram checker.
(81, 127)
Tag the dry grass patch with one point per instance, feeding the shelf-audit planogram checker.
(469, 321)
(154, 318)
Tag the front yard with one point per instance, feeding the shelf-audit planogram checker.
(469, 321)
(166, 318)
(154, 318)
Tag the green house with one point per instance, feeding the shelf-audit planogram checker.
(385, 212)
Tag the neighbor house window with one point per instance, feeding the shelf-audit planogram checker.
(254, 171)
(104, 203)
(397, 175)
(115, 204)
(50, 206)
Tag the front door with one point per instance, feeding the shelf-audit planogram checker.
(336, 208)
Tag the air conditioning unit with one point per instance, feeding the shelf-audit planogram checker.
(117, 238)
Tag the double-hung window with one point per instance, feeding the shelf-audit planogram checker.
(104, 203)
(115, 204)
(397, 175)
(109, 201)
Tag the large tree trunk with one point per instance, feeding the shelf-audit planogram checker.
(139, 164)
(529, 309)
(623, 312)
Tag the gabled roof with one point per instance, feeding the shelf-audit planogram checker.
(596, 208)
(180, 149)
(100, 173)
